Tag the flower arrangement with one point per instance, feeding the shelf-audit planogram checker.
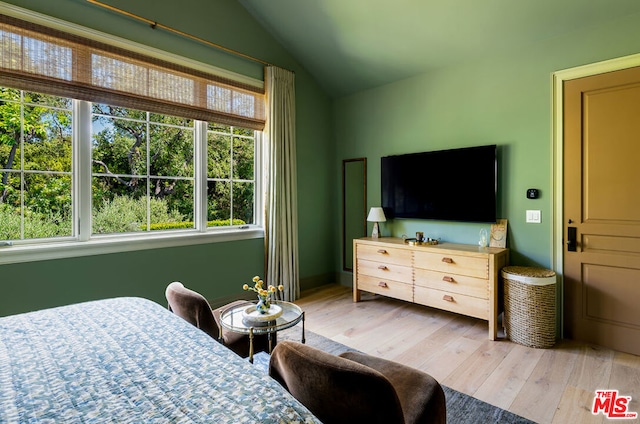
(265, 295)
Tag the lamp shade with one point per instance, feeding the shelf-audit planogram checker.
(376, 214)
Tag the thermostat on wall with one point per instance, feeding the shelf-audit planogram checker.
(533, 193)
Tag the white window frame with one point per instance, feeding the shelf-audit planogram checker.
(84, 244)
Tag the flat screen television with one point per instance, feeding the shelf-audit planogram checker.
(448, 185)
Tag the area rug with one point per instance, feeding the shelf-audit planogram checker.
(461, 408)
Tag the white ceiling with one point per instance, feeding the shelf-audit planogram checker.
(353, 45)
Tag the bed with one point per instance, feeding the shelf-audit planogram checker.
(126, 360)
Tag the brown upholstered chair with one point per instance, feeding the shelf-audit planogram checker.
(355, 387)
(194, 308)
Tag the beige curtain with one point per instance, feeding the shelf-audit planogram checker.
(281, 200)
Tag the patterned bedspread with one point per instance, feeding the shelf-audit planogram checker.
(129, 360)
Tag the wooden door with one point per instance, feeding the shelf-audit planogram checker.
(602, 209)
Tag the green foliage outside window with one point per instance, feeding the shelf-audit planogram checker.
(43, 189)
(142, 165)
(126, 214)
(36, 225)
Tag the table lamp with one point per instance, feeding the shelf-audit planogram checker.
(376, 214)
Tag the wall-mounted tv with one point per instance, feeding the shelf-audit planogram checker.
(448, 185)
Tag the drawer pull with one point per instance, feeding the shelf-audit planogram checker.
(382, 284)
(382, 267)
(382, 251)
(447, 298)
(448, 279)
(447, 260)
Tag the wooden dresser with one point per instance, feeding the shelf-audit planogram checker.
(460, 278)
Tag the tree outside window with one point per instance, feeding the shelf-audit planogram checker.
(35, 165)
(143, 170)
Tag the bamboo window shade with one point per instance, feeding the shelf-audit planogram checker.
(49, 61)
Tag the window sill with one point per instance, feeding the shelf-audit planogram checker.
(117, 244)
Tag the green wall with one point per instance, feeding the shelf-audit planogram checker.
(217, 269)
(209, 269)
(503, 100)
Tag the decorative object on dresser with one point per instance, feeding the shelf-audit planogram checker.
(459, 278)
(376, 214)
(499, 233)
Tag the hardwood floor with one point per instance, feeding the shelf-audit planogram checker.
(554, 385)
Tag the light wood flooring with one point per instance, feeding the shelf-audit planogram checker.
(554, 385)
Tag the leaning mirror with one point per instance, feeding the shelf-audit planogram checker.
(354, 206)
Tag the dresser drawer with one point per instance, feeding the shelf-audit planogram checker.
(450, 301)
(386, 287)
(388, 255)
(461, 284)
(385, 270)
(472, 266)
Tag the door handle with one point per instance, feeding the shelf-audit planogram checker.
(572, 244)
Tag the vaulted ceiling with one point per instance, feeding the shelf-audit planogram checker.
(353, 45)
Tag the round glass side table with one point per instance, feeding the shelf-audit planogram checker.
(235, 319)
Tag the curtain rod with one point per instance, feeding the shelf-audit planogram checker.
(155, 25)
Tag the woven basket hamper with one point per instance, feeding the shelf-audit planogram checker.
(530, 305)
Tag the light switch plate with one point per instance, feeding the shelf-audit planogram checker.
(533, 216)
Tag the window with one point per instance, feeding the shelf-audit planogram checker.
(102, 143)
(35, 165)
(230, 175)
(143, 170)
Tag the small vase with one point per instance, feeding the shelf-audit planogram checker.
(263, 305)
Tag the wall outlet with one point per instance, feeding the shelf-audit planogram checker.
(533, 217)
